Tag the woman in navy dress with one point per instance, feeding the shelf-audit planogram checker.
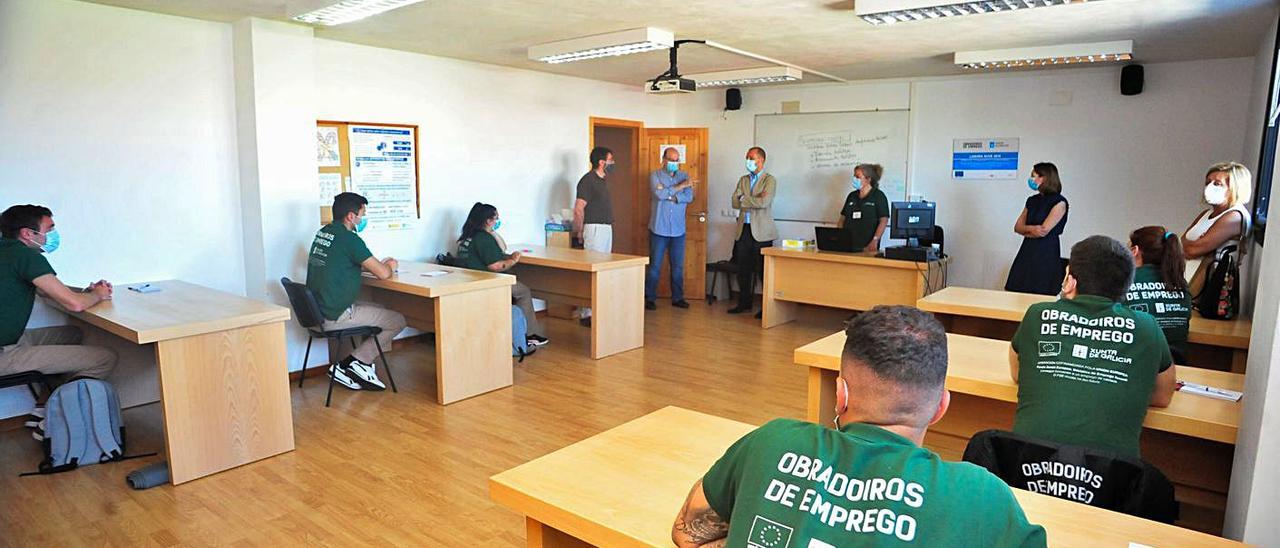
(1038, 267)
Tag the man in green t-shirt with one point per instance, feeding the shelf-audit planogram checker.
(867, 482)
(333, 273)
(1086, 366)
(27, 233)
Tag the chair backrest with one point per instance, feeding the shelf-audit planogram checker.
(935, 238)
(305, 306)
(1096, 478)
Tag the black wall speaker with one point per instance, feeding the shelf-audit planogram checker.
(1131, 80)
(732, 99)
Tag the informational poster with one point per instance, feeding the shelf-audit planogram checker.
(991, 158)
(327, 152)
(663, 148)
(330, 186)
(383, 170)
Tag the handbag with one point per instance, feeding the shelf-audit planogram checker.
(1219, 298)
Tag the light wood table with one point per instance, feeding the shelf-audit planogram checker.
(1219, 344)
(852, 281)
(224, 376)
(623, 487)
(611, 284)
(470, 313)
(1192, 441)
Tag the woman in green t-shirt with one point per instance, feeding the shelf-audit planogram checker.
(1159, 284)
(481, 248)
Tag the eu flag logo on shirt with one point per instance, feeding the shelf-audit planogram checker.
(766, 533)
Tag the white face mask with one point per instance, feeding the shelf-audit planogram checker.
(1215, 195)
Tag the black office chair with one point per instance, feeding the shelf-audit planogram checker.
(729, 269)
(1096, 478)
(307, 311)
(937, 238)
(28, 378)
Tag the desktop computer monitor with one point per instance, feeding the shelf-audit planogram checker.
(912, 221)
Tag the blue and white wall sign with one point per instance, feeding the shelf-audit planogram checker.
(993, 158)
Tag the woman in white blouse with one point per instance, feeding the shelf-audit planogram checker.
(1227, 187)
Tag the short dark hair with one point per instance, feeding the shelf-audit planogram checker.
(902, 345)
(1102, 267)
(759, 151)
(599, 154)
(347, 202)
(23, 216)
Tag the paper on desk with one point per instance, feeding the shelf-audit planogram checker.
(1209, 391)
(435, 273)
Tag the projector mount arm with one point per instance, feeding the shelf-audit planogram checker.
(673, 71)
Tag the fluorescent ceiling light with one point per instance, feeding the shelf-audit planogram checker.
(745, 77)
(1065, 54)
(888, 12)
(603, 45)
(329, 13)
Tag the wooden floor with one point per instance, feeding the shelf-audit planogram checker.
(397, 469)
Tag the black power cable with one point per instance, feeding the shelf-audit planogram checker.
(673, 71)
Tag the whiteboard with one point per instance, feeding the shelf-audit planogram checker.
(812, 155)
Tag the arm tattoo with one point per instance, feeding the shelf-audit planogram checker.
(702, 526)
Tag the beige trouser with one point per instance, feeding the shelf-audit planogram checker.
(596, 237)
(524, 299)
(56, 351)
(363, 314)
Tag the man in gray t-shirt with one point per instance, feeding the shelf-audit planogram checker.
(593, 209)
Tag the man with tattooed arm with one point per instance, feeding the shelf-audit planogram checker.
(867, 482)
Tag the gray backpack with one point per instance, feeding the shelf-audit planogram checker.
(82, 426)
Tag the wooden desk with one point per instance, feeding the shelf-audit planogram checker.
(470, 313)
(224, 376)
(853, 281)
(991, 313)
(610, 283)
(1192, 441)
(623, 487)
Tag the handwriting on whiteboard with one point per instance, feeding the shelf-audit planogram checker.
(837, 149)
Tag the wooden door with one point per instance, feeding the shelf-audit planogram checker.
(654, 141)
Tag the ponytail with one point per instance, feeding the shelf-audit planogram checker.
(1173, 264)
(1162, 249)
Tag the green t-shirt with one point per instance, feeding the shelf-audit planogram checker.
(333, 269)
(799, 484)
(1086, 370)
(1171, 307)
(480, 251)
(19, 266)
(862, 215)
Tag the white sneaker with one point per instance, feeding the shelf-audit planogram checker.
(365, 375)
(343, 376)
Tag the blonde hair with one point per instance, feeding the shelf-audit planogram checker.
(1239, 181)
(872, 172)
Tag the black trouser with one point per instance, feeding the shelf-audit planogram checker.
(746, 252)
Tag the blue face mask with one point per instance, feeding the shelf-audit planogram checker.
(608, 168)
(51, 241)
(497, 224)
(673, 166)
(857, 184)
(751, 165)
(1031, 182)
(364, 221)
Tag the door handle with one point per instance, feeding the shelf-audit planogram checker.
(702, 216)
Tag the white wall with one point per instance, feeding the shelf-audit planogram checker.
(1251, 508)
(122, 122)
(516, 139)
(1114, 152)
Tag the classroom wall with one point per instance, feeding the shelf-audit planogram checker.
(123, 123)
(514, 138)
(1251, 508)
(1114, 152)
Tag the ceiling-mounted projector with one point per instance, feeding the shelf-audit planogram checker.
(663, 86)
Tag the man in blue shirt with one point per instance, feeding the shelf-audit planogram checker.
(672, 192)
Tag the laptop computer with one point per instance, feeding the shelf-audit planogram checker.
(833, 239)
